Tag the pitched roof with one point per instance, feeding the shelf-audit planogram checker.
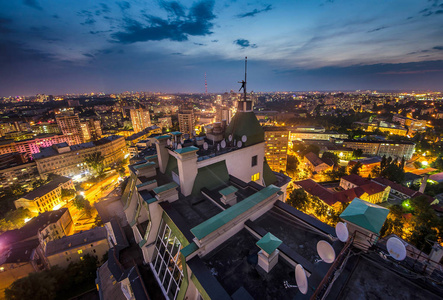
(315, 189)
(211, 177)
(246, 123)
(355, 179)
(269, 243)
(366, 215)
(44, 189)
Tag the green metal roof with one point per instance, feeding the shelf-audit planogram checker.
(246, 123)
(228, 190)
(211, 177)
(146, 183)
(366, 215)
(269, 243)
(147, 164)
(151, 157)
(217, 221)
(186, 149)
(189, 249)
(165, 187)
(176, 133)
(161, 137)
(172, 165)
(268, 175)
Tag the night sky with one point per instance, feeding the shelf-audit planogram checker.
(61, 46)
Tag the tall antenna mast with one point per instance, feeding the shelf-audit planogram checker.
(206, 85)
(243, 82)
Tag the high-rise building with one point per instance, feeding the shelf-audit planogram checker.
(91, 129)
(70, 125)
(140, 119)
(276, 147)
(186, 121)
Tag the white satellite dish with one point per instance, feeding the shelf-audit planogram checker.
(396, 248)
(182, 140)
(244, 138)
(325, 251)
(218, 147)
(301, 279)
(239, 144)
(342, 232)
(223, 144)
(169, 142)
(230, 137)
(205, 146)
(179, 146)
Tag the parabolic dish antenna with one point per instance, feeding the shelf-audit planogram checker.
(230, 137)
(342, 232)
(182, 140)
(205, 146)
(223, 144)
(301, 279)
(179, 146)
(244, 138)
(239, 144)
(325, 251)
(396, 248)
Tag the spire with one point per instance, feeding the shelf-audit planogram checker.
(244, 104)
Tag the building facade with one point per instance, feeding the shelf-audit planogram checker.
(186, 121)
(276, 152)
(70, 160)
(394, 149)
(70, 125)
(140, 119)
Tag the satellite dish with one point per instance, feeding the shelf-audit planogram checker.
(182, 140)
(223, 144)
(239, 144)
(325, 251)
(169, 142)
(396, 248)
(301, 279)
(218, 147)
(342, 232)
(205, 146)
(244, 138)
(179, 146)
(230, 137)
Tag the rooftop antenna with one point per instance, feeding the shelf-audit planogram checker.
(243, 82)
(206, 85)
(326, 252)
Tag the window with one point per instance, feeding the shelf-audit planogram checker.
(254, 161)
(167, 263)
(80, 251)
(255, 177)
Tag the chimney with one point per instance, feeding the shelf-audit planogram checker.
(162, 152)
(228, 195)
(268, 255)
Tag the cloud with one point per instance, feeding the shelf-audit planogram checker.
(439, 12)
(89, 20)
(214, 41)
(408, 72)
(177, 27)
(88, 55)
(199, 44)
(124, 5)
(244, 43)
(33, 4)
(438, 48)
(3, 25)
(255, 11)
(377, 29)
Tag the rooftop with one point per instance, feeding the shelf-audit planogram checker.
(366, 215)
(47, 188)
(76, 240)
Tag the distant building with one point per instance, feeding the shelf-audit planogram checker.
(413, 125)
(70, 125)
(276, 152)
(314, 133)
(73, 248)
(165, 122)
(140, 119)
(186, 121)
(69, 161)
(317, 164)
(367, 165)
(394, 149)
(91, 129)
(46, 127)
(55, 229)
(46, 197)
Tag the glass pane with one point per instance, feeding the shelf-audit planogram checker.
(166, 235)
(172, 290)
(167, 280)
(177, 274)
(162, 272)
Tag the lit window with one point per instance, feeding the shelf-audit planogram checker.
(255, 177)
(80, 251)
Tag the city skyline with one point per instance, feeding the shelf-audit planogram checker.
(166, 46)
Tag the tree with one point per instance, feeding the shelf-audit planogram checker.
(34, 286)
(299, 199)
(95, 161)
(67, 194)
(357, 153)
(355, 168)
(329, 155)
(121, 171)
(82, 204)
(14, 219)
(336, 174)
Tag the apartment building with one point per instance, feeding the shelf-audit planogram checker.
(66, 160)
(46, 197)
(276, 152)
(394, 149)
